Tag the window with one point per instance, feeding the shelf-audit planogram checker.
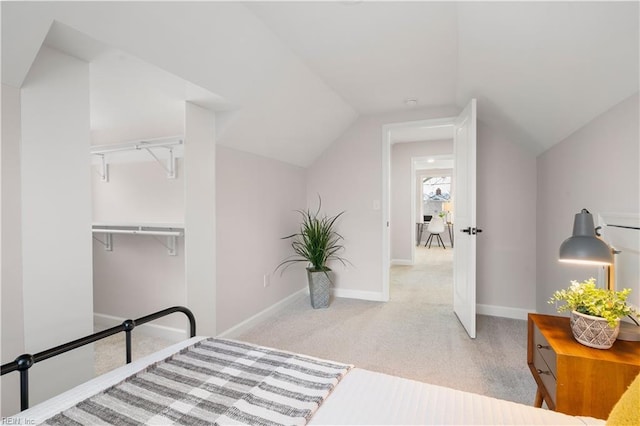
(436, 190)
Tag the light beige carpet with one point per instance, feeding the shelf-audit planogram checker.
(110, 353)
(415, 335)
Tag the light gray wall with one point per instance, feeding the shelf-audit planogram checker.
(348, 175)
(506, 212)
(56, 219)
(403, 229)
(138, 192)
(137, 278)
(595, 168)
(506, 174)
(255, 207)
(11, 247)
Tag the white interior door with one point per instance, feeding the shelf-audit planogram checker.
(464, 210)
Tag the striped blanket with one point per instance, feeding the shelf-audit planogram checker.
(215, 381)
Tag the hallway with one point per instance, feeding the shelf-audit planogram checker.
(433, 269)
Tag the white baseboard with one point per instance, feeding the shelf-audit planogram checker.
(175, 335)
(358, 294)
(503, 311)
(245, 325)
(401, 262)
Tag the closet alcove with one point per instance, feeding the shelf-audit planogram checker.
(152, 160)
(138, 232)
(78, 94)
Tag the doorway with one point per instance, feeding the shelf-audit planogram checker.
(395, 133)
(464, 135)
(421, 199)
(432, 189)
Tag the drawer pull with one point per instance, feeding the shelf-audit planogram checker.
(543, 372)
(539, 346)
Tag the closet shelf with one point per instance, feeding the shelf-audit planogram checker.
(170, 231)
(168, 144)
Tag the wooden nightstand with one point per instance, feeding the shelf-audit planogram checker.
(573, 378)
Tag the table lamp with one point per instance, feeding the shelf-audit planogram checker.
(584, 247)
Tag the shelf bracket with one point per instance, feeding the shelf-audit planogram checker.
(107, 243)
(170, 245)
(104, 168)
(149, 146)
(170, 168)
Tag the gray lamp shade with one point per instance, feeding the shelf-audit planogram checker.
(584, 246)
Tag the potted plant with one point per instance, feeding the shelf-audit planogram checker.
(595, 312)
(316, 243)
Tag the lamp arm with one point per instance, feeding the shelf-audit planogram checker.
(625, 227)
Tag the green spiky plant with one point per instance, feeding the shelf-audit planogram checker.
(316, 243)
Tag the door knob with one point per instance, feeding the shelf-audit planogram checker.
(467, 230)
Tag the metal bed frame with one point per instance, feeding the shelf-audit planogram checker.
(25, 361)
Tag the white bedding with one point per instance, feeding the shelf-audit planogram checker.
(368, 398)
(362, 397)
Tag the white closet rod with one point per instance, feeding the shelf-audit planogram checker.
(108, 232)
(104, 149)
(139, 232)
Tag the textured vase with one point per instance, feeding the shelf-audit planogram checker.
(319, 288)
(593, 331)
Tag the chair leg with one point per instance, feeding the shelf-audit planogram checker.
(429, 240)
(440, 241)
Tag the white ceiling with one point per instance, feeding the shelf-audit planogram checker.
(374, 54)
(434, 162)
(292, 76)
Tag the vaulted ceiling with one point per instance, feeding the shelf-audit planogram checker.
(289, 77)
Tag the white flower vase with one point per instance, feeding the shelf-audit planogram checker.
(593, 331)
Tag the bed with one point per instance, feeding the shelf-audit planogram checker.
(206, 380)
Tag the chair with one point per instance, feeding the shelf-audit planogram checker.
(426, 219)
(436, 227)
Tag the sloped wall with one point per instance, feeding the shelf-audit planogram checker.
(595, 168)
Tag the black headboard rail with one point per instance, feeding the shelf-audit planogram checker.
(25, 361)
